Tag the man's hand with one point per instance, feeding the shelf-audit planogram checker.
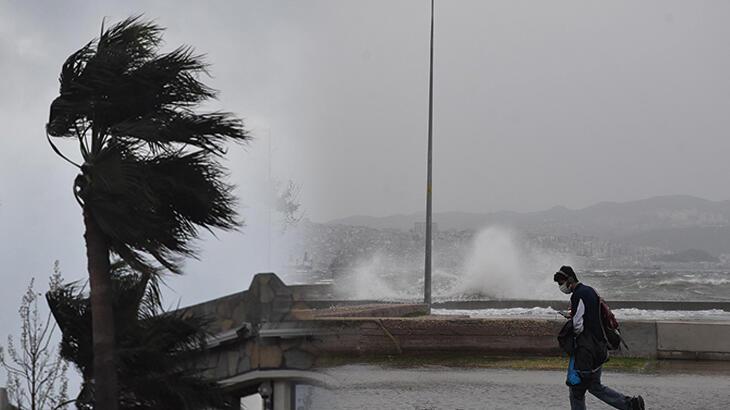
(565, 314)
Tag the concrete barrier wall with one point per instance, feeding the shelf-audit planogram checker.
(646, 339)
(693, 340)
(641, 337)
(398, 335)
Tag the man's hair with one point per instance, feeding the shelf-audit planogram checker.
(565, 273)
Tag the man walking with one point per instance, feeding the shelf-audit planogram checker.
(589, 349)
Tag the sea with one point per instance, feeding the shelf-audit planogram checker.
(644, 284)
(670, 285)
(639, 285)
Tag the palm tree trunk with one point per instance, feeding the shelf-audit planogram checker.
(102, 315)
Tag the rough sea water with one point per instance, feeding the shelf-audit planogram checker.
(678, 285)
(627, 284)
(613, 285)
(499, 265)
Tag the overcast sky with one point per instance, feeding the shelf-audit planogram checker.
(536, 104)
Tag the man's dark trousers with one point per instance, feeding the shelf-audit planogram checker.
(592, 383)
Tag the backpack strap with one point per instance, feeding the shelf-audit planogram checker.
(603, 329)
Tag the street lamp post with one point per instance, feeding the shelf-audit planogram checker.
(427, 271)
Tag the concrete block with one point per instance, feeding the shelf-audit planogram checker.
(232, 360)
(222, 364)
(264, 357)
(244, 365)
(270, 357)
(693, 337)
(641, 337)
(298, 359)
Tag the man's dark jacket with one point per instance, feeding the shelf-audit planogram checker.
(582, 336)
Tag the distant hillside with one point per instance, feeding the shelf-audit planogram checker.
(617, 219)
(674, 223)
(445, 220)
(712, 239)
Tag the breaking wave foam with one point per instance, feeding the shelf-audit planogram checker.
(694, 281)
(621, 314)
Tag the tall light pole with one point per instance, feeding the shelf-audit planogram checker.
(427, 271)
(272, 194)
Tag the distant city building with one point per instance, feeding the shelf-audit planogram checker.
(419, 229)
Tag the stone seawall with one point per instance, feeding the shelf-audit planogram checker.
(326, 326)
(536, 337)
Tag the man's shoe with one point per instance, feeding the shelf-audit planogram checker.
(637, 403)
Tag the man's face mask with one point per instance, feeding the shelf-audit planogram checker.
(564, 287)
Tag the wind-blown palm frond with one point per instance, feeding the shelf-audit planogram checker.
(150, 178)
(153, 346)
(133, 293)
(164, 127)
(156, 204)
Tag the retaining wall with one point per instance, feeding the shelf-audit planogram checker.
(693, 340)
(646, 339)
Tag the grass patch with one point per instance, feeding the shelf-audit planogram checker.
(470, 360)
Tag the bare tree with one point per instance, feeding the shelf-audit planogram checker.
(36, 373)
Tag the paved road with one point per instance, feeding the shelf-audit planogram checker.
(371, 387)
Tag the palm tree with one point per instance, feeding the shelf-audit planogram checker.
(150, 177)
(155, 348)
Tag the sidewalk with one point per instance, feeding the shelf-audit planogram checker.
(374, 387)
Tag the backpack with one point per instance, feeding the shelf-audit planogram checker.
(610, 327)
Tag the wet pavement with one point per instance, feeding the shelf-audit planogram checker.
(371, 387)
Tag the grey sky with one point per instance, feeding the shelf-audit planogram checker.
(536, 104)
